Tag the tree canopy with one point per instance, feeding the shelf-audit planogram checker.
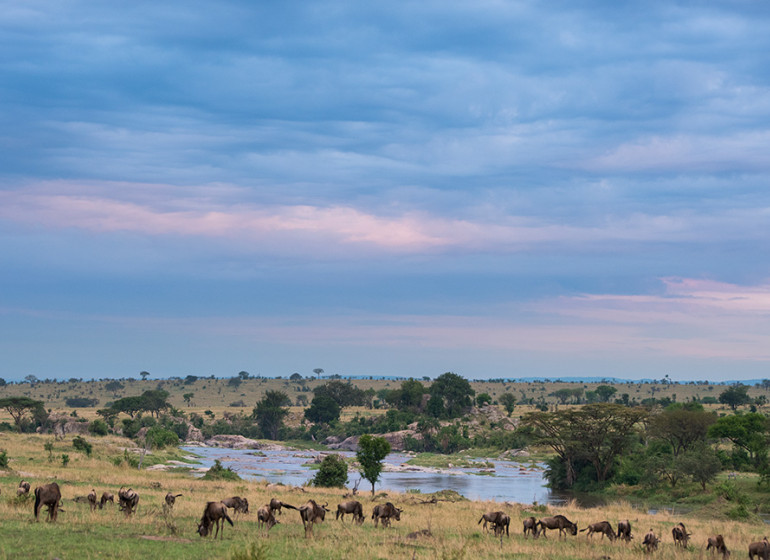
(735, 396)
(270, 412)
(17, 407)
(451, 396)
(371, 452)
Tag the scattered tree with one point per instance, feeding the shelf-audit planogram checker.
(333, 472)
(735, 396)
(270, 412)
(508, 400)
(17, 407)
(371, 452)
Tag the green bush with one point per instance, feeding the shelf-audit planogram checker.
(99, 428)
(218, 472)
(159, 437)
(333, 472)
(81, 444)
(3, 459)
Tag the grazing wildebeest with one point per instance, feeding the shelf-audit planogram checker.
(760, 549)
(106, 497)
(717, 544)
(23, 488)
(681, 536)
(276, 505)
(624, 530)
(530, 526)
(216, 513)
(127, 500)
(559, 522)
(503, 521)
(171, 499)
(603, 527)
(265, 518)
(239, 505)
(385, 512)
(311, 513)
(48, 495)
(92, 499)
(496, 518)
(650, 541)
(353, 507)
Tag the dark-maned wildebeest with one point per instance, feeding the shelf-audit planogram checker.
(495, 518)
(106, 497)
(385, 512)
(760, 549)
(92, 499)
(216, 513)
(265, 518)
(353, 507)
(717, 544)
(171, 499)
(238, 505)
(23, 488)
(276, 505)
(503, 521)
(650, 541)
(681, 536)
(559, 522)
(530, 526)
(603, 527)
(128, 500)
(624, 530)
(311, 513)
(48, 495)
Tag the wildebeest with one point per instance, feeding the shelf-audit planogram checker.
(23, 488)
(353, 507)
(760, 549)
(530, 526)
(48, 495)
(504, 521)
(106, 497)
(497, 519)
(216, 513)
(717, 544)
(681, 536)
(128, 500)
(385, 512)
(265, 518)
(171, 499)
(92, 499)
(624, 530)
(311, 513)
(239, 505)
(559, 522)
(650, 541)
(276, 505)
(603, 527)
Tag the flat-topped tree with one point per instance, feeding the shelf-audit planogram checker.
(17, 407)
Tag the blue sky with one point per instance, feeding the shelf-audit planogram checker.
(499, 189)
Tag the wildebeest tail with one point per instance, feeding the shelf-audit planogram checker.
(37, 501)
(288, 506)
(230, 521)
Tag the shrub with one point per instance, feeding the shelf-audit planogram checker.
(159, 437)
(65, 460)
(3, 459)
(333, 472)
(99, 428)
(218, 472)
(81, 444)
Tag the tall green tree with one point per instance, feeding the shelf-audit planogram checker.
(371, 452)
(605, 392)
(322, 410)
(682, 428)
(735, 396)
(508, 400)
(746, 431)
(270, 412)
(451, 396)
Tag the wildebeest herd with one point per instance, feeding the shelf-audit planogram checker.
(215, 514)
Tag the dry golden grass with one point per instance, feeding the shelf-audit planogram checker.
(80, 533)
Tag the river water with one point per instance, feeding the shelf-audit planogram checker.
(509, 481)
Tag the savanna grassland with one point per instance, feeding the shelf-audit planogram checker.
(82, 534)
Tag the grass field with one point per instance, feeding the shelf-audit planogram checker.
(221, 395)
(82, 534)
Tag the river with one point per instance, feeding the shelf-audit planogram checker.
(509, 481)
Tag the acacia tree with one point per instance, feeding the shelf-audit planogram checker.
(682, 428)
(450, 396)
(735, 396)
(508, 401)
(371, 452)
(17, 407)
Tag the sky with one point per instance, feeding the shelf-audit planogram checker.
(493, 188)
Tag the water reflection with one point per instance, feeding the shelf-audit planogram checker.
(513, 482)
